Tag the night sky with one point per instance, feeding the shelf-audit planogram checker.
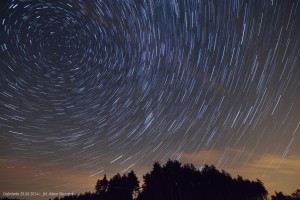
(94, 87)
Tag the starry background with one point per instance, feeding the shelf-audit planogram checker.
(95, 87)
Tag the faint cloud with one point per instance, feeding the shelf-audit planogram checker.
(276, 162)
(276, 172)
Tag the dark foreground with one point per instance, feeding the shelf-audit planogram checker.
(173, 181)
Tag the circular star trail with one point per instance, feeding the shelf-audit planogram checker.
(116, 85)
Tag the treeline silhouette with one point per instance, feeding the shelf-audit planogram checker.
(173, 181)
(280, 196)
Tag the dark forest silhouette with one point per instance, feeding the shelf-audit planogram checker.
(280, 196)
(173, 181)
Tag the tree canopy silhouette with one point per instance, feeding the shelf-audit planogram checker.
(174, 181)
(280, 196)
(118, 187)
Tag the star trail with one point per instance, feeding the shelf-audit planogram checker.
(95, 87)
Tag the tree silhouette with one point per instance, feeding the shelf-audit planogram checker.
(125, 187)
(101, 186)
(176, 182)
(133, 184)
(173, 181)
(296, 195)
(153, 184)
(280, 196)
